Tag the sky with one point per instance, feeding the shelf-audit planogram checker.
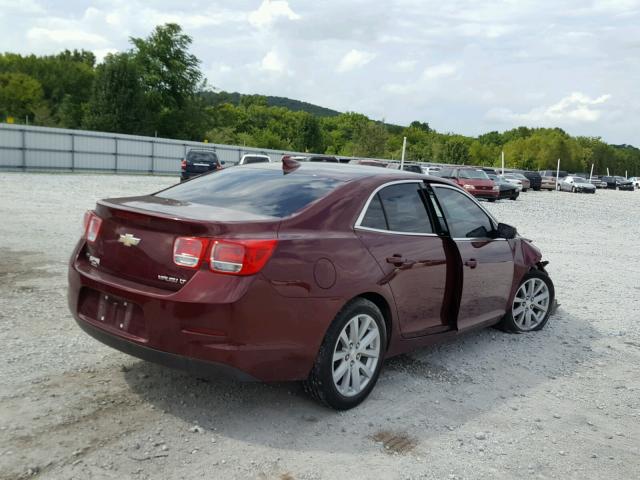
(462, 66)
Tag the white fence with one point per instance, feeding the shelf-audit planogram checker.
(30, 148)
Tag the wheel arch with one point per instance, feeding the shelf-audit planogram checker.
(385, 308)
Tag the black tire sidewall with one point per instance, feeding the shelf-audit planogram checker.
(324, 362)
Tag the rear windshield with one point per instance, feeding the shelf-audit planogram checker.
(202, 156)
(261, 192)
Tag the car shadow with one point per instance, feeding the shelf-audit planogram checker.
(427, 392)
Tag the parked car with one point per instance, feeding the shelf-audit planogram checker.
(552, 173)
(473, 180)
(407, 167)
(298, 158)
(321, 158)
(524, 181)
(547, 182)
(535, 179)
(598, 182)
(624, 184)
(235, 273)
(635, 181)
(430, 170)
(254, 158)
(370, 163)
(516, 182)
(576, 184)
(616, 182)
(197, 162)
(507, 189)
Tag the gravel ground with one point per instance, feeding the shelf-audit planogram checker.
(560, 403)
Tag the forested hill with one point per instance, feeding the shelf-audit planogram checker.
(234, 98)
(157, 88)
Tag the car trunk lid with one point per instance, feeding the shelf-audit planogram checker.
(137, 236)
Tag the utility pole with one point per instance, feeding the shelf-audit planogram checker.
(502, 162)
(404, 148)
(591, 174)
(557, 174)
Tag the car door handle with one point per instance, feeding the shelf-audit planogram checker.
(398, 261)
(471, 263)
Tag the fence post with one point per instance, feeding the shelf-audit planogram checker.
(73, 152)
(153, 159)
(115, 140)
(24, 148)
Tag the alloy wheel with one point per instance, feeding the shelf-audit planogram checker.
(356, 355)
(531, 304)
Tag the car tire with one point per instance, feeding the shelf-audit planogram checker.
(344, 393)
(518, 319)
(491, 199)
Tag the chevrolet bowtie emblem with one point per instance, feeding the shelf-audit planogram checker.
(128, 240)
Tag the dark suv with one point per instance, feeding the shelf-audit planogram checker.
(198, 162)
(535, 179)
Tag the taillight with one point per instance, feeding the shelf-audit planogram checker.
(240, 257)
(188, 251)
(92, 224)
(183, 164)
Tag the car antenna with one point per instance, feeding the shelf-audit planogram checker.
(289, 165)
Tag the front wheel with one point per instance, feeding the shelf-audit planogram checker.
(350, 357)
(491, 199)
(531, 305)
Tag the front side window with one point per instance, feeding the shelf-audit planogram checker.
(464, 217)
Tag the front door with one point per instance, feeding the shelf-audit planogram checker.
(487, 263)
(397, 231)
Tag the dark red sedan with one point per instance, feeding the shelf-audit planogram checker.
(317, 272)
(474, 180)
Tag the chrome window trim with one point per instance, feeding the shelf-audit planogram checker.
(358, 225)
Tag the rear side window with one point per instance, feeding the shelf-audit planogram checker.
(404, 208)
(374, 218)
(253, 190)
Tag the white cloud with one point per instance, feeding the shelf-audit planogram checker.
(439, 71)
(574, 108)
(269, 11)
(100, 53)
(355, 59)
(405, 65)
(30, 7)
(68, 38)
(273, 63)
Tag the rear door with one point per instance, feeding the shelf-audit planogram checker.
(397, 230)
(487, 263)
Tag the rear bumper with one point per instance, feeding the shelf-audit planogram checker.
(489, 194)
(171, 360)
(246, 330)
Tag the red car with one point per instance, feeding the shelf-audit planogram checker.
(474, 181)
(301, 271)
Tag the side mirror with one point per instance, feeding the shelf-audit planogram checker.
(222, 162)
(505, 231)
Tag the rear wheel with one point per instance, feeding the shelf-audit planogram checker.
(531, 305)
(491, 199)
(350, 357)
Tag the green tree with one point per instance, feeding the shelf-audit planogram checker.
(117, 102)
(20, 95)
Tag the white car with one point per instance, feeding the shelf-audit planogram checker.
(636, 181)
(512, 181)
(254, 158)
